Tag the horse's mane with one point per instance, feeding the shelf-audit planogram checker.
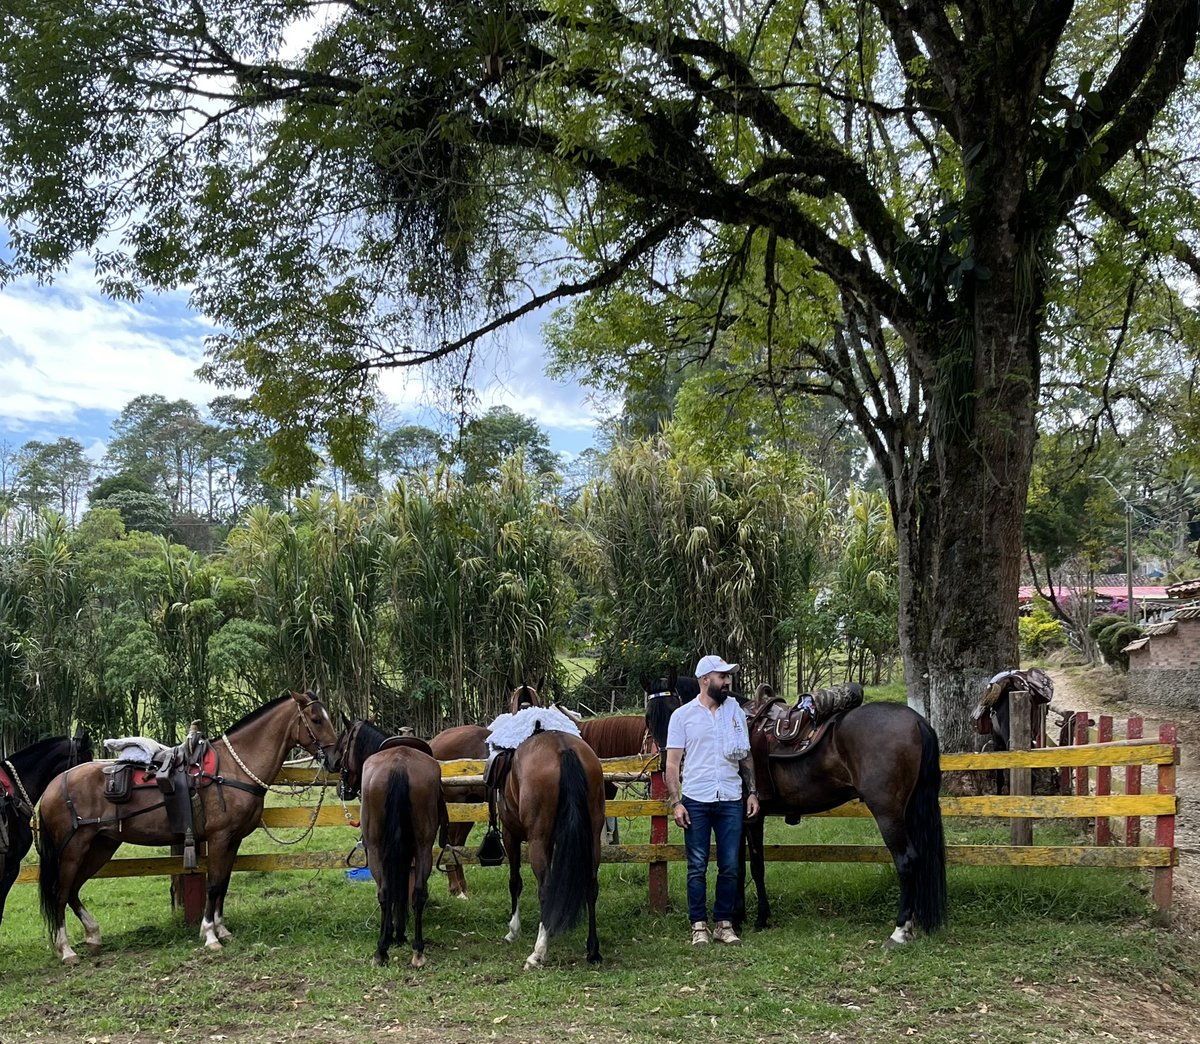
(258, 712)
(35, 752)
(367, 741)
(616, 736)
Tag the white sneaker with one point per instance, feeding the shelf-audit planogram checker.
(725, 934)
(701, 936)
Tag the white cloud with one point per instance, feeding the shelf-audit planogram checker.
(66, 348)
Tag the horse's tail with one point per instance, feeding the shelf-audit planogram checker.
(572, 871)
(923, 821)
(48, 874)
(398, 840)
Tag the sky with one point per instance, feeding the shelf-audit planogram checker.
(70, 360)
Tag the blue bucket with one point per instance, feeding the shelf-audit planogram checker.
(359, 873)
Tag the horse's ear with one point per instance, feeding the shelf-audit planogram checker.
(672, 678)
(346, 722)
(646, 684)
(540, 682)
(299, 697)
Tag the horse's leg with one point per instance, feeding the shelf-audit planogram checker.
(20, 838)
(539, 864)
(895, 836)
(59, 871)
(456, 837)
(593, 940)
(513, 847)
(222, 851)
(387, 906)
(754, 847)
(611, 826)
(100, 852)
(421, 871)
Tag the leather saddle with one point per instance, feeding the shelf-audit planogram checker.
(178, 773)
(404, 740)
(779, 731)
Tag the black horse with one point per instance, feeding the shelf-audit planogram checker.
(23, 778)
(883, 753)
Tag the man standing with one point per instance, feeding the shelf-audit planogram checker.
(710, 738)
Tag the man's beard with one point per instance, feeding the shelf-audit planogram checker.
(718, 696)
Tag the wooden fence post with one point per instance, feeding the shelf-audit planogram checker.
(1064, 774)
(1164, 826)
(1133, 785)
(189, 891)
(1104, 734)
(1020, 780)
(658, 836)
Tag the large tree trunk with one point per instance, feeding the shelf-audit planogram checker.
(960, 506)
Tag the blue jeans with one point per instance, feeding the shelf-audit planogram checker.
(724, 820)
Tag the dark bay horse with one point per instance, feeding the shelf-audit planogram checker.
(81, 828)
(553, 799)
(402, 813)
(23, 778)
(616, 736)
(883, 753)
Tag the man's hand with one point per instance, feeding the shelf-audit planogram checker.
(680, 814)
(751, 806)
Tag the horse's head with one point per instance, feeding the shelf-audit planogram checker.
(314, 730)
(661, 702)
(350, 768)
(81, 749)
(524, 695)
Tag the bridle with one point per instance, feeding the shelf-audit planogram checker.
(345, 791)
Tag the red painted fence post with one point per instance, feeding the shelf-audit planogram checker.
(1164, 826)
(658, 836)
(1104, 734)
(1133, 785)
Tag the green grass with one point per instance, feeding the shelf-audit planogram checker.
(299, 962)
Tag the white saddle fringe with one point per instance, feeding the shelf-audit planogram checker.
(511, 730)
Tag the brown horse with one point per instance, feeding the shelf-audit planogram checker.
(617, 736)
(81, 828)
(553, 798)
(461, 742)
(883, 753)
(23, 778)
(402, 812)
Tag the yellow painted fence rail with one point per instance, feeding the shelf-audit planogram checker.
(1160, 857)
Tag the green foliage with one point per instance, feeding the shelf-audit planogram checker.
(1112, 640)
(1040, 631)
(144, 512)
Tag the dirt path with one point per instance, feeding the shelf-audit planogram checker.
(1101, 691)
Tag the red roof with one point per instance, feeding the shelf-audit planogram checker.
(1025, 593)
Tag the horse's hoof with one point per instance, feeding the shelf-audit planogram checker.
(461, 895)
(510, 938)
(594, 958)
(93, 949)
(532, 964)
(70, 960)
(418, 960)
(224, 933)
(215, 946)
(379, 960)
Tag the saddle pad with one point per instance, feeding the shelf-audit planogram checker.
(206, 768)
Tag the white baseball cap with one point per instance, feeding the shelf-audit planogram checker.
(709, 664)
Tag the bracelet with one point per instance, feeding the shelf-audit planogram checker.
(677, 801)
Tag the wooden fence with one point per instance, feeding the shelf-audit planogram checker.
(1084, 759)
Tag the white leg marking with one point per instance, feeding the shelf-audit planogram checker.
(208, 935)
(514, 926)
(535, 959)
(91, 929)
(904, 933)
(62, 946)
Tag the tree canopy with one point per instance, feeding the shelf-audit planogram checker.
(891, 205)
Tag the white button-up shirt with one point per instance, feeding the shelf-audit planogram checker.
(707, 774)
